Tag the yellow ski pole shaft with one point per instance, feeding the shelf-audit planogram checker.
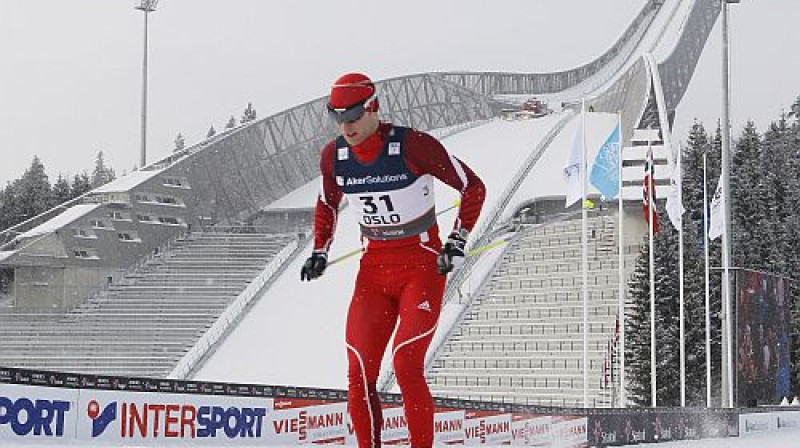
(485, 247)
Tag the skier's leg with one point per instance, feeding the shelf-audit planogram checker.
(371, 319)
(420, 304)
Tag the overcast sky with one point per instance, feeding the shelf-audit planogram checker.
(70, 71)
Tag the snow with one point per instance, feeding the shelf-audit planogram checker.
(127, 182)
(303, 197)
(66, 217)
(779, 439)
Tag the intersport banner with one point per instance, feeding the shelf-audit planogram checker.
(121, 417)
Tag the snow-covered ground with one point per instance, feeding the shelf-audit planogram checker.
(785, 438)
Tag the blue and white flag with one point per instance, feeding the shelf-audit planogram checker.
(605, 171)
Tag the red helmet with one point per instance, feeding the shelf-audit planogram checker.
(352, 89)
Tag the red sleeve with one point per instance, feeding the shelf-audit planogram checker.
(327, 208)
(426, 155)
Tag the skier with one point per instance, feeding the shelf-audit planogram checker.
(387, 173)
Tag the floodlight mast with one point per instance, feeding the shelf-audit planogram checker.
(146, 6)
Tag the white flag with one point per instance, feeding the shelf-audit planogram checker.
(674, 206)
(716, 223)
(574, 168)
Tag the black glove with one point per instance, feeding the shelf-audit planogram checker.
(314, 266)
(452, 253)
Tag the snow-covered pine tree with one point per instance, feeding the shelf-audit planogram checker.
(180, 143)
(7, 203)
(33, 191)
(694, 273)
(637, 331)
(667, 297)
(61, 190)
(774, 163)
(101, 174)
(81, 184)
(249, 114)
(748, 208)
(793, 234)
(231, 123)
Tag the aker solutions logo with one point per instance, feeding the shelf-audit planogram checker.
(101, 420)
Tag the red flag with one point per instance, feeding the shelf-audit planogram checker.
(649, 186)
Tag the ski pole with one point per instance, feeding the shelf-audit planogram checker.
(485, 247)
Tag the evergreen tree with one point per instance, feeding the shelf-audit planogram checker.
(61, 191)
(211, 132)
(249, 114)
(101, 174)
(699, 144)
(7, 206)
(637, 331)
(774, 189)
(231, 123)
(180, 143)
(33, 191)
(668, 295)
(81, 184)
(795, 108)
(747, 208)
(12, 212)
(792, 174)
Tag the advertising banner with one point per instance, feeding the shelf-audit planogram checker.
(487, 428)
(568, 431)
(768, 421)
(448, 427)
(762, 339)
(92, 410)
(394, 429)
(158, 418)
(531, 430)
(40, 414)
(295, 422)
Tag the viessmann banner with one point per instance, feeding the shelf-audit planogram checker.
(36, 414)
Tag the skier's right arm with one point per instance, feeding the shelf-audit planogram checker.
(326, 213)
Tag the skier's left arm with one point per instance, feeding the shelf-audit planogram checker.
(426, 155)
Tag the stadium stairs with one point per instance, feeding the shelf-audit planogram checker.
(143, 325)
(522, 340)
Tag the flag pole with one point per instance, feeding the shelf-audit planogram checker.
(728, 379)
(585, 262)
(679, 167)
(621, 271)
(708, 291)
(650, 183)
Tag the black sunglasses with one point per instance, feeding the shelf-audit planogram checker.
(350, 114)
